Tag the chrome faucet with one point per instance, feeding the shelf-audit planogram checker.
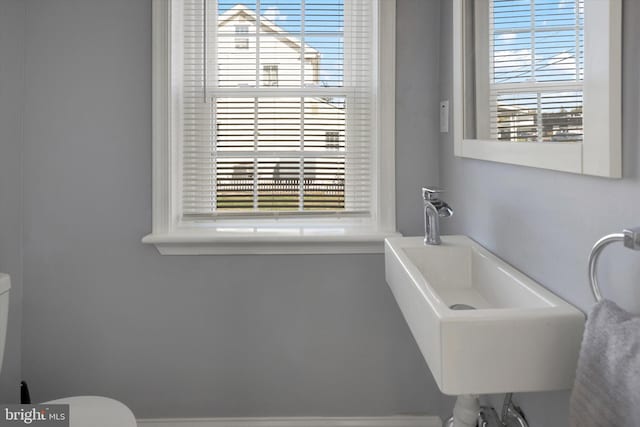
(434, 208)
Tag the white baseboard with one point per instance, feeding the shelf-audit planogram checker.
(393, 421)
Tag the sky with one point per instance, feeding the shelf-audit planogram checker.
(550, 38)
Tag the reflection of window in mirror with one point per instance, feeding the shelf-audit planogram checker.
(530, 70)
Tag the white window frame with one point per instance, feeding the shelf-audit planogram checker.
(600, 153)
(266, 236)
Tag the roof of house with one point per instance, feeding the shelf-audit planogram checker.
(268, 25)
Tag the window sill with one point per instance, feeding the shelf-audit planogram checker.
(269, 241)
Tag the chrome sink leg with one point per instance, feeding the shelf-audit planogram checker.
(512, 415)
(485, 416)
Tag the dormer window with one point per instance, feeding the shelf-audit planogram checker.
(242, 39)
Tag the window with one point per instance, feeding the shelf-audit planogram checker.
(283, 144)
(332, 139)
(270, 72)
(538, 83)
(241, 40)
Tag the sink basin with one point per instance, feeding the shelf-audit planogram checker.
(520, 337)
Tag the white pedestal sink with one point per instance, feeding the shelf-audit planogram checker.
(520, 337)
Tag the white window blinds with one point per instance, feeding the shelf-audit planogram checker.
(536, 71)
(276, 108)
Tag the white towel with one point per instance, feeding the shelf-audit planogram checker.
(606, 392)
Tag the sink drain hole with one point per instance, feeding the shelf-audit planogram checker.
(461, 307)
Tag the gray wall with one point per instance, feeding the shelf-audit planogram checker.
(12, 18)
(194, 336)
(417, 110)
(545, 222)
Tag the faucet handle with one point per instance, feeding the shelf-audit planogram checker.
(431, 193)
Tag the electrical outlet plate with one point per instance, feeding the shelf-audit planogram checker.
(444, 116)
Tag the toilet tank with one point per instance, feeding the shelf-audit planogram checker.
(5, 285)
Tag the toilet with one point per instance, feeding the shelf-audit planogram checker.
(84, 411)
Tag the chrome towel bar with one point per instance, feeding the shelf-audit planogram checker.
(631, 239)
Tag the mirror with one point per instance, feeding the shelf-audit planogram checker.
(537, 83)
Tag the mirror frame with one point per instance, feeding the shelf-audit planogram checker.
(600, 152)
